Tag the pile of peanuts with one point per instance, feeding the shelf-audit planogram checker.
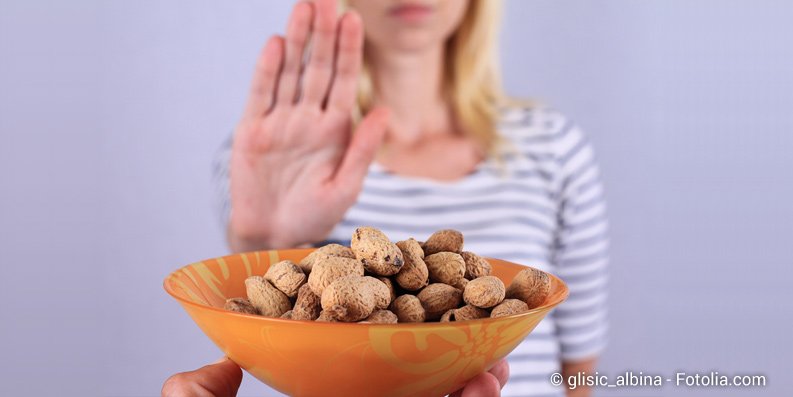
(377, 281)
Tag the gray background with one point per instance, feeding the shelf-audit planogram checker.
(110, 113)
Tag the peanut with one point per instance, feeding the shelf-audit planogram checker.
(447, 240)
(464, 313)
(484, 292)
(414, 274)
(390, 285)
(382, 294)
(461, 284)
(445, 267)
(408, 309)
(325, 316)
(350, 298)
(307, 264)
(330, 268)
(377, 253)
(509, 307)
(363, 283)
(240, 305)
(307, 305)
(286, 276)
(382, 317)
(475, 265)
(268, 300)
(531, 286)
(438, 298)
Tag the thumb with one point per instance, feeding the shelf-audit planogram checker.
(220, 379)
(483, 385)
(362, 148)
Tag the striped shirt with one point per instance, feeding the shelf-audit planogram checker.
(541, 205)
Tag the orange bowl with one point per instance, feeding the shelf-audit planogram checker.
(305, 358)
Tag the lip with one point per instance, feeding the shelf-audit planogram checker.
(411, 12)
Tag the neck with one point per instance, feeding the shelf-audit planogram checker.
(411, 86)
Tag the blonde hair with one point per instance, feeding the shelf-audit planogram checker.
(472, 80)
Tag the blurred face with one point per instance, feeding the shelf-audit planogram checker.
(409, 25)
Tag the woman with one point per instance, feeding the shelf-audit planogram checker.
(437, 147)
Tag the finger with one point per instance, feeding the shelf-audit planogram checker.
(297, 33)
(501, 372)
(362, 148)
(483, 385)
(320, 63)
(221, 379)
(348, 63)
(265, 77)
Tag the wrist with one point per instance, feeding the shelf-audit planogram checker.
(242, 238)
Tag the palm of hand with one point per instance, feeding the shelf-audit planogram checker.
(296, 166)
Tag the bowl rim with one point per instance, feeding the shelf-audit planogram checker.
(547, 306)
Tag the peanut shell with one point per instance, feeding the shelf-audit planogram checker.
(382, 294)
(329, 268)
(388, 283)
(325, 316)
(438, 298)
(461, 284)
(414, 274)
(240, 305)
(350, 298)
(377, 253)
(447, 240)
(445, 267)
(408, 309)
(484, 292)
(268, 300)
(286, 276)
(531, 286)
(307, 305)
(307, 264)
(464, 313)
(509, 307)
(382, 317)
(475, 265)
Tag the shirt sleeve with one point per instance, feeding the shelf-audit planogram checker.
(581, 248)
(220, 182)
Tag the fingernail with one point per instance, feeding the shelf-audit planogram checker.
(222, 359)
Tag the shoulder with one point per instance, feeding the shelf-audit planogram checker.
(538, 129)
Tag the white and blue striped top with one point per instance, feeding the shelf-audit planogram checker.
(542, 205)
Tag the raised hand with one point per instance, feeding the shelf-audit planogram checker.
(296, 164)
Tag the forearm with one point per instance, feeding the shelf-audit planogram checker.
(572, 368)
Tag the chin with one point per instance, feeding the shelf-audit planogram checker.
(412, 41)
